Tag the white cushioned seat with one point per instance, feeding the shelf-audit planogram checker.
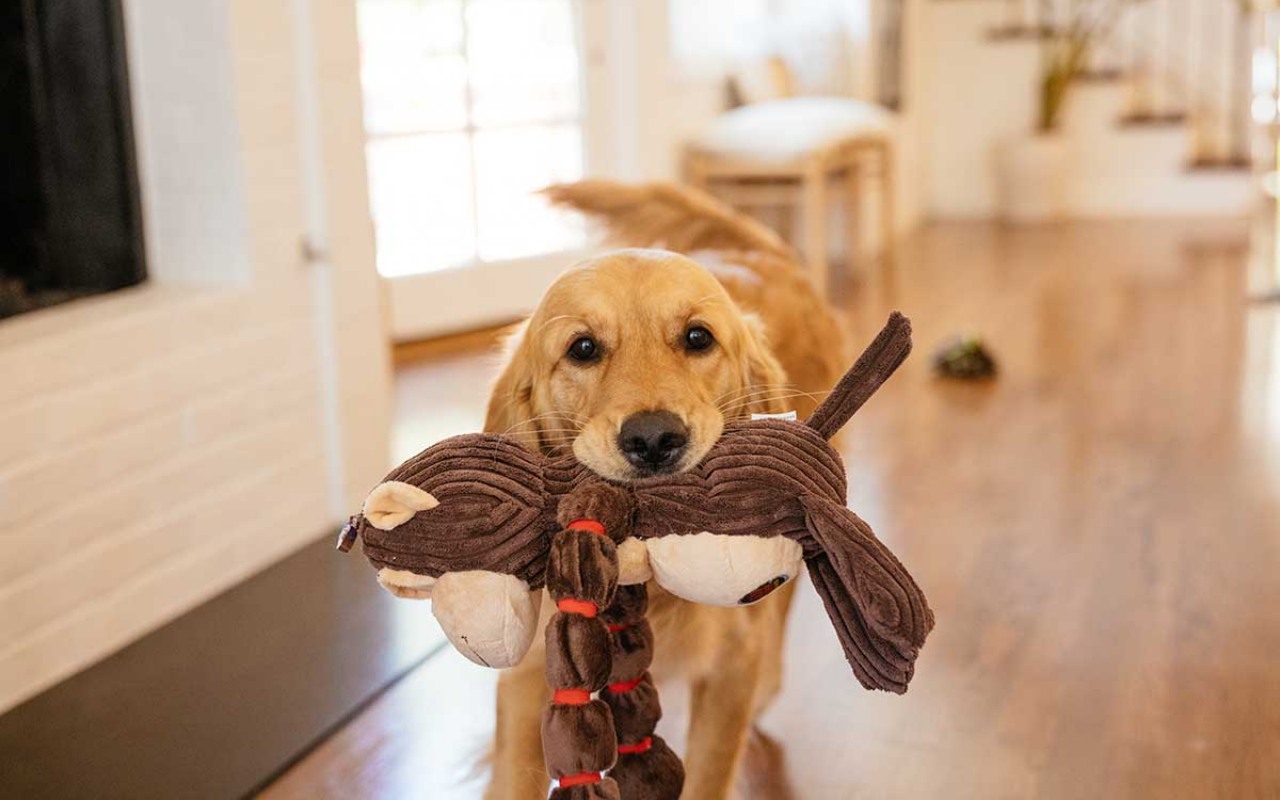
(786, 130)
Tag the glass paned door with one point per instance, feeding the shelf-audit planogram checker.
(470, 106)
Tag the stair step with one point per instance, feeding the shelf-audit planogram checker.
(1138, 119)
(1220, 164)
(1107, 75)
(1005, 33)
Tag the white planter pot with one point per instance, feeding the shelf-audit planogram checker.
(1033, 178)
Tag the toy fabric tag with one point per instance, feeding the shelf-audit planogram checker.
(787, 415)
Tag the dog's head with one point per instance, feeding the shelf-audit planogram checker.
(633, 361)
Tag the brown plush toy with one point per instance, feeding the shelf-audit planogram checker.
(481, 525)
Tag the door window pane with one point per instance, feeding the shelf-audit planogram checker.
(511, 165)
(524, 61)
(412, 67)
(429, 26)
(471, 106)
(420, 192)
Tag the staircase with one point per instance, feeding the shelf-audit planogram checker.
(1158, 122)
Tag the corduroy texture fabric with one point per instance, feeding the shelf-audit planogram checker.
(499, 507)
(552, 522)
(879, 361)
(498, 518)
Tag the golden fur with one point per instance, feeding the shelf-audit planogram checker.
(777, 347)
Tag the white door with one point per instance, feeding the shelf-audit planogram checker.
(470, 107)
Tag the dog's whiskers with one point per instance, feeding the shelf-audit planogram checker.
(747, 412)
(574, 419)
(773, 397)
(757, 390)
(750, 388)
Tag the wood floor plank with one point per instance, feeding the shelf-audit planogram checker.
(1098, 531)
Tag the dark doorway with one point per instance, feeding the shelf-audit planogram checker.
(70, 216)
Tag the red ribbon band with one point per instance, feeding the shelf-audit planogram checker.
(579, 779)
(641, 746)
(594, 526)
(571, 697)
(584, 607)
(622, 687)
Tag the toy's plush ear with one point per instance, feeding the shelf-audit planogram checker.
(406, 584)
(488, 616)
(393, 503)
(879, 612)
(881, 358)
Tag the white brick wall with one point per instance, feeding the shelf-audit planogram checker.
(160, 444)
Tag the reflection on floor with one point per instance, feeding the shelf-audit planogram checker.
(1098, 532)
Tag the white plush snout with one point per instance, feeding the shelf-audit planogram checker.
(489, 617)
(403, 583)
(393, 503)
(723, 570)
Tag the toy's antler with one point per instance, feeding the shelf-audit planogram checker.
(872, 369)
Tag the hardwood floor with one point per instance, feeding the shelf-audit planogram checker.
(1098, 531)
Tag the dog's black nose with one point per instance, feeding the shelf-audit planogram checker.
(653, 440)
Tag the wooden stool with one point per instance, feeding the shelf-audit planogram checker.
(788, 153)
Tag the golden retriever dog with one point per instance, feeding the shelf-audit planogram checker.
(633, 361)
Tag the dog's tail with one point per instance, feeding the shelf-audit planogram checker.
(666, 215)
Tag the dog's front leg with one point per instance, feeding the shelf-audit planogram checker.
(722, 707)
(518, 769)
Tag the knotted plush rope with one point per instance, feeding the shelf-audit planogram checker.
(599, 642)
(646, 766)
(578, 740)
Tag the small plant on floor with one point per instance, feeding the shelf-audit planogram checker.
(964, 357)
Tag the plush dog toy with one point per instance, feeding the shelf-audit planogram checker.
(481, 525)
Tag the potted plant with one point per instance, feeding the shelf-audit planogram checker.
(1034, 167)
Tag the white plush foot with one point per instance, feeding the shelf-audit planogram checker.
(489, 617)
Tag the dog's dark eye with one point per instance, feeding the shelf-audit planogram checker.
(698, 338)
(584, 348)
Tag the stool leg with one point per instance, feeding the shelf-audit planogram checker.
(888, 201)
(787, 204)
(695, 173)
(852, 213)
(813, 208)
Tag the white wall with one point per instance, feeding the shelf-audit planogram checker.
(977, 94)
(974, 94)
(184, 95)
(159, 444)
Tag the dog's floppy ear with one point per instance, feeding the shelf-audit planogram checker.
(765, 390)
(881, 358)
(880, 614)
(511, 401)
